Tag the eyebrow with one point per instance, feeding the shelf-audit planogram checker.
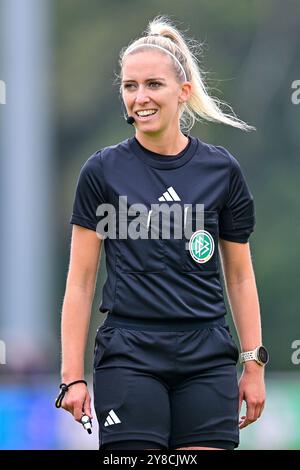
(147, 80)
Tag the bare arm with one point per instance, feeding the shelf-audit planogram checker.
(243, 299)
(242, 293)
(76, 311)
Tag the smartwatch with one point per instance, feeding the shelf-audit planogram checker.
(259, 354)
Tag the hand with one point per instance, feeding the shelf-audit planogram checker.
(77, 401)
(252, 390)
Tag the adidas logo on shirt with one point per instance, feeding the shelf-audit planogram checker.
(169, 195)
(112, 418)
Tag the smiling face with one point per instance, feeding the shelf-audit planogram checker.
(149, 83)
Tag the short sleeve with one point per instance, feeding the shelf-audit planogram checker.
(89, 194)
(237, 217)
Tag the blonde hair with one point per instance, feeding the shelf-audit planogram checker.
(162, 33)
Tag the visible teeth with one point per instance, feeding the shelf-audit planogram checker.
(146, 113)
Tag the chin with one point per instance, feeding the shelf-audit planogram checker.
(150, 131)
(150, 127)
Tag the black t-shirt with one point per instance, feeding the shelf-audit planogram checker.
(166, 279)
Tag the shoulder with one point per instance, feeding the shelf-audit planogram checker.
(219, 155)
(218, 151)
(224, 152)
(111, 151)
(104, 155)
(94, 159)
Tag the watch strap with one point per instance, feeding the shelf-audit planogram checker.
(248, 356)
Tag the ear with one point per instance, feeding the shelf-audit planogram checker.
(186, 90)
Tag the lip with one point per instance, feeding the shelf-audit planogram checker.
(146, 118)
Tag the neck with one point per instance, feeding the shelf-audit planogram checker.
(164, 145)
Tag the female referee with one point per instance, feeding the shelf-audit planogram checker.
(164, 361)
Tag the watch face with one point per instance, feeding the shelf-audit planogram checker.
(263, 355)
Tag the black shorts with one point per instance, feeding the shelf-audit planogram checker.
(172, 388)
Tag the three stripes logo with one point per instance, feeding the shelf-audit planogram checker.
(169, 195)
(112, 418)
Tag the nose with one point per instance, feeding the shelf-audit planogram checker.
(141, 96)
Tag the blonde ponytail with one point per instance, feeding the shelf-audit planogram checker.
(161, 32)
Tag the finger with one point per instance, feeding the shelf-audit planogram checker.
(251, 411)
(249, 418)
(244, 424)
(261, 409)
(77, 412)
(240, 401)
(242, 419)
(258, 410)
(87, 408)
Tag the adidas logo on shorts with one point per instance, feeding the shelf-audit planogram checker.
(112, 418)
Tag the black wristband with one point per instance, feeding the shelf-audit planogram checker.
(64, 388)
